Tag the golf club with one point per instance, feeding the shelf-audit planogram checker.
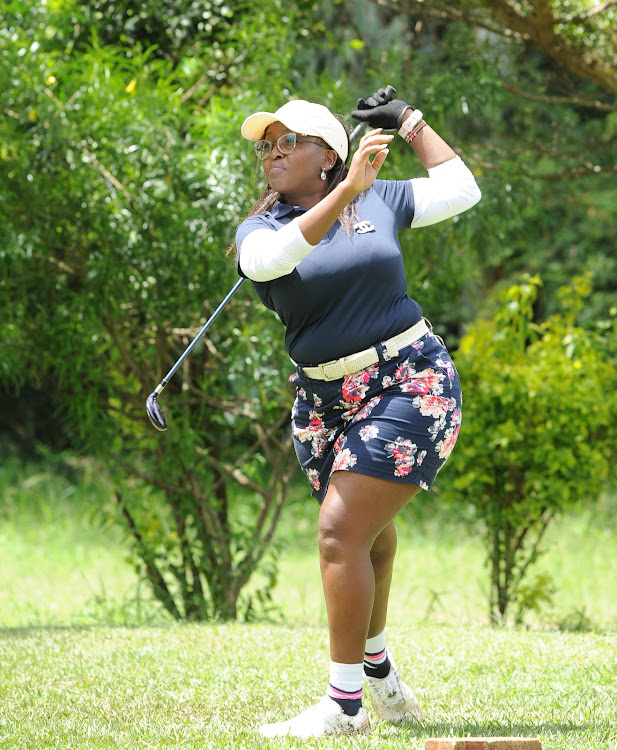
(152, 406)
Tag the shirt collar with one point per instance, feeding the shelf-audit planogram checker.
(284, 209)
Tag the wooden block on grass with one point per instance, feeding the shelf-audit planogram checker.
(483, 743)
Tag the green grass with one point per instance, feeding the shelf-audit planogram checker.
(60, 565)
(88, 661)
(205, 686)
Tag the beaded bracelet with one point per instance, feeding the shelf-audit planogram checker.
(409, 138)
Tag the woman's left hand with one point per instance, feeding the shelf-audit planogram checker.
(362, 171)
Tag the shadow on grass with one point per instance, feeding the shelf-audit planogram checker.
(499, 729)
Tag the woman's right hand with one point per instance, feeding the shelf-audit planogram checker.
(362, 171)
(315, 223)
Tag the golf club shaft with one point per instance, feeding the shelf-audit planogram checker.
(356, 133)
(199, 336)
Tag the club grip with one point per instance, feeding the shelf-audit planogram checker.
(389, 93)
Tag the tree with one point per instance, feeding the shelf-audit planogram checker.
(538, 432)
(579, 38)
(534, 119)
(122, 181)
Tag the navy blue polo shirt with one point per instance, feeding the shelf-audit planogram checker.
(350, 292)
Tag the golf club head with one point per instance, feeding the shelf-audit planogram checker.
(155, 412)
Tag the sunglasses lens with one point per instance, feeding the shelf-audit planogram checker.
(262, 149)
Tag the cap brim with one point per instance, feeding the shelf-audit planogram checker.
(254, 127)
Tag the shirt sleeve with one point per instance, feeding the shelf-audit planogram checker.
(449, 190)
(265, 254)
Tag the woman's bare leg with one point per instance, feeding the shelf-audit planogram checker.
(357, 543)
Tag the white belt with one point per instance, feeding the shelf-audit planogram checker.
(338, 368)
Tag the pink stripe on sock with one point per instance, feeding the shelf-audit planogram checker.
(377, 658)
(334, 692)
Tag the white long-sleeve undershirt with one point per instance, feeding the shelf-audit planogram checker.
(449, 189)
(267, 254)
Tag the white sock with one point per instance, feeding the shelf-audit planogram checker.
(345, 681)
(376, 644)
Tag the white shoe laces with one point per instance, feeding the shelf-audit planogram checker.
(388, 689)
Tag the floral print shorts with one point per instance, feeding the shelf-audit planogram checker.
(396, 420)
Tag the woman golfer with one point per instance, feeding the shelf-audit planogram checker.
(378, 405)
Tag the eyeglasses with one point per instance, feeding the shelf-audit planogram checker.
(285, 144)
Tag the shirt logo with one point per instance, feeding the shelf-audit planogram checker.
(362, 227)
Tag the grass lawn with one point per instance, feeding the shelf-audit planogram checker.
(202, 686)
(87, 660)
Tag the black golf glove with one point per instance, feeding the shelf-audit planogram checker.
(378, 114)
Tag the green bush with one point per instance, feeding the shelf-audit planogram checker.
(538, 432)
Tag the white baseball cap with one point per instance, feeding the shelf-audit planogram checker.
(304, 118)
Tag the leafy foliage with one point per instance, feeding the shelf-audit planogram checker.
(123, 179)
(529, 115)
(539, 431)
(121, 194)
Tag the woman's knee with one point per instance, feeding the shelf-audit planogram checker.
(340, 534)
(332, 537)
(356, 512)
